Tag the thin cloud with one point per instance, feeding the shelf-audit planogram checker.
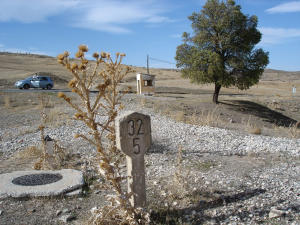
(114, 16)
(104, 15)
(278, 35)
(30, 11)
(285, 7)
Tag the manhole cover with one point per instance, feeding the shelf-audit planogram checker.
(37, 179)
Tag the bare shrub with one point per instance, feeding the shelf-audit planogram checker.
(46, 160)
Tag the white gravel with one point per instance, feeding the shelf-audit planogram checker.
(167, 134)
(253, 189)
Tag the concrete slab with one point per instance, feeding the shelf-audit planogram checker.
(71, 180)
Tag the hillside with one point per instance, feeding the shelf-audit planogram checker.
(17, 66)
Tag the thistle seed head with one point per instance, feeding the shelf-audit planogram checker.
(74, 66)
(96, 55)
(79, 54)
(83, 48)
(72, 83)
(82, 67)
(61, 57)
(108, 82)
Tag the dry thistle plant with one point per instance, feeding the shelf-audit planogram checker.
(98, 113)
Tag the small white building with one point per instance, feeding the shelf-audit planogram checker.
(145, 84)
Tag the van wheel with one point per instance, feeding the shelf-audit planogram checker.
(26, 86)
(49, 86)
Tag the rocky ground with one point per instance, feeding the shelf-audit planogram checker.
(195, 174)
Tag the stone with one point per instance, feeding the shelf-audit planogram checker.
(32, 210)
(64, 211)
(58, 212)
(275, 213)
(67, 218)
(97, 192)
(134, 139)
(74, 193)
(94, 210)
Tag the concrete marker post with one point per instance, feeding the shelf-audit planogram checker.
(50, 150)
(133, 133)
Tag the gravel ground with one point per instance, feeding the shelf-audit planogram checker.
(224, 177)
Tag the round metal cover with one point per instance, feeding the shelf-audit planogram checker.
(37, 179)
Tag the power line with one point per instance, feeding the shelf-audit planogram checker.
(161, 60)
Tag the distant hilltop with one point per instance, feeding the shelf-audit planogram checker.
(268, 75)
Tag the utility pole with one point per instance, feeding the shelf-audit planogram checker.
(148, 64)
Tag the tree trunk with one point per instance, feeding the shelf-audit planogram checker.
(216, 93)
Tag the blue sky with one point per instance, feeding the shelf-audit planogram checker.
(136, 27)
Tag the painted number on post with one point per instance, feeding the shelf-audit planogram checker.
(135, 129)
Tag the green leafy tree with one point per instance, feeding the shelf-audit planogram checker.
(222, 48)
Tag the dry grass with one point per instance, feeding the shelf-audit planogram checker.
(7, 103)
(206, 118)
(172, 191)
(179, 116)
(255, 130)
(203, 165)
(292, 131)
(252, 128)
(56, 118)
(30, 152)
(143, 102)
